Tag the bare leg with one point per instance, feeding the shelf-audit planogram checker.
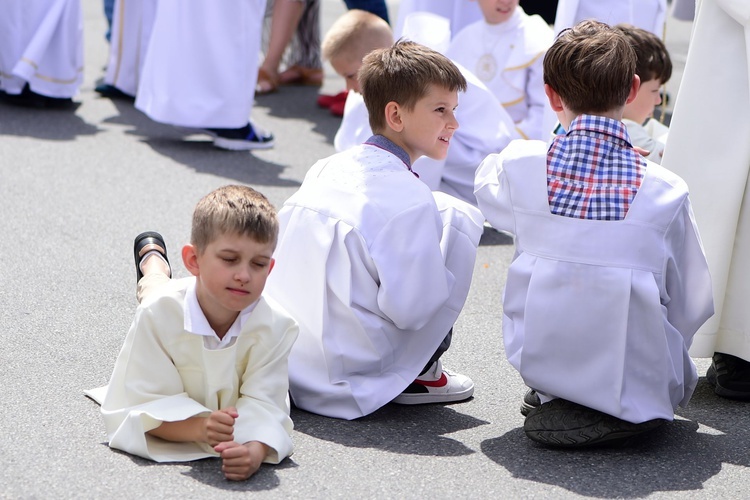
(284, 19)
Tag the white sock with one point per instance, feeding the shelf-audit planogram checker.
(152, 252)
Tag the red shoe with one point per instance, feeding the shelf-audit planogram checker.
(337, 108)
(326, 101)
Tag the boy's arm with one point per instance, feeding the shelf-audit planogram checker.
(263, 406)
(492, 191)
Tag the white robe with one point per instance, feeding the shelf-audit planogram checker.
(646, 14)
(484, 127)
(131, 31)
(517, 46)
(376, 269)
(460, 13)
(201, 65)
(709, 146)
(41, 42)
(599, 312)
(165, 374)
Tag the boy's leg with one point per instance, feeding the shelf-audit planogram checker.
(151, 263)
(444, 346)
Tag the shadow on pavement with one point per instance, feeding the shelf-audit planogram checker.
(677, 457)
(412, 430)
(45, 124)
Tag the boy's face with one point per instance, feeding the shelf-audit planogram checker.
(427, 129)
(347, 68)
(231, 274)
(647, 98)
(497, 11)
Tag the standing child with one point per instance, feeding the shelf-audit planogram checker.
(374, 266)
(609, 282)
(203, 371)
(653, 67)
(505, 50)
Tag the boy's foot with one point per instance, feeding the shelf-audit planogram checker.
(437, 385)
(729, 376)
(241, 139)
(327, 100)
(562, 423)
(337, 108)
(30, 99)
(112, 92)
(530, 401)
(146, 244)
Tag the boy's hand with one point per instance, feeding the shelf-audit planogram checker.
(220, 426)
(240, 461)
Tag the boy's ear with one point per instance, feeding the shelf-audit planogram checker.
(554, 98)
(634, 86)
(270, 266)
(190, 259)
(393, 116)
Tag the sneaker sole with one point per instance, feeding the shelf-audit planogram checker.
(568, 425)
(426, 397)
(239, 145)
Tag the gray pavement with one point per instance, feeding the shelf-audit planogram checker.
(75, 188)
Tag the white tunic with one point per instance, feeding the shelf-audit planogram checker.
(646, 14)
(132, 22)
(652, 136)
(484, 127)
(375, 269)
(599, 312)
(460, 13)
(41, 42)
(508, 58)
(201, 65)
(165, 374)
(708, 146)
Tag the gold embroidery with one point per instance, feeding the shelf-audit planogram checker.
(526, 65)
(514, 102)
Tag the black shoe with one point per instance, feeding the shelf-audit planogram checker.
(112, 92)
(530, 401)
(30, 99)
(729, 376)
(562, 423)
(144, 243)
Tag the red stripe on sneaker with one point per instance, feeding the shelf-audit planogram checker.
(434, 383)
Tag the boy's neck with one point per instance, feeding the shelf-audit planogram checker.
(614, 114)
(396, 139)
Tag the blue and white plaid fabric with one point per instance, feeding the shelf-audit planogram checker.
(593, 172)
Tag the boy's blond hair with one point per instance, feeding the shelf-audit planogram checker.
(354, 35)
(403, 73)
(652, 57)
(591, 66)
(237, 210)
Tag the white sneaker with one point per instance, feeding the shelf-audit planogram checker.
(437, 386)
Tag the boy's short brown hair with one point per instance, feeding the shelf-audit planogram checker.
(355, 34)
(403, 73)
(652, 57)
(591, 66)
(233, 209)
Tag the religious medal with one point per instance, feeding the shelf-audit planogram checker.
(486, 67)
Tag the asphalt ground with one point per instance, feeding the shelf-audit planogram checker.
(77, 186)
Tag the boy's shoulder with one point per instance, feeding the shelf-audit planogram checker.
(523, 151)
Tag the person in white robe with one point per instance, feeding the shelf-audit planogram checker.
(375, 267)
(41, 48)
(609, 282)
(506, 54)
(649, 15)
(708, 147)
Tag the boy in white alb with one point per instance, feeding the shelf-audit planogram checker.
(203, 371)
(653, 67)
(374, 267)
(486, 127)
(505, 51)
(41, 52)
(609, 282)
(645, 14)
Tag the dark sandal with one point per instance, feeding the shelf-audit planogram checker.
(146, 242)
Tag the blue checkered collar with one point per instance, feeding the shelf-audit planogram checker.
(595, 124)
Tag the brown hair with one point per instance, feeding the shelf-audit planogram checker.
(403, 73)
(652, 58)
(236, 210)
(354, 34)
(591, 67)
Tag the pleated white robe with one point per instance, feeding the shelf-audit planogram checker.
(41, 42)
